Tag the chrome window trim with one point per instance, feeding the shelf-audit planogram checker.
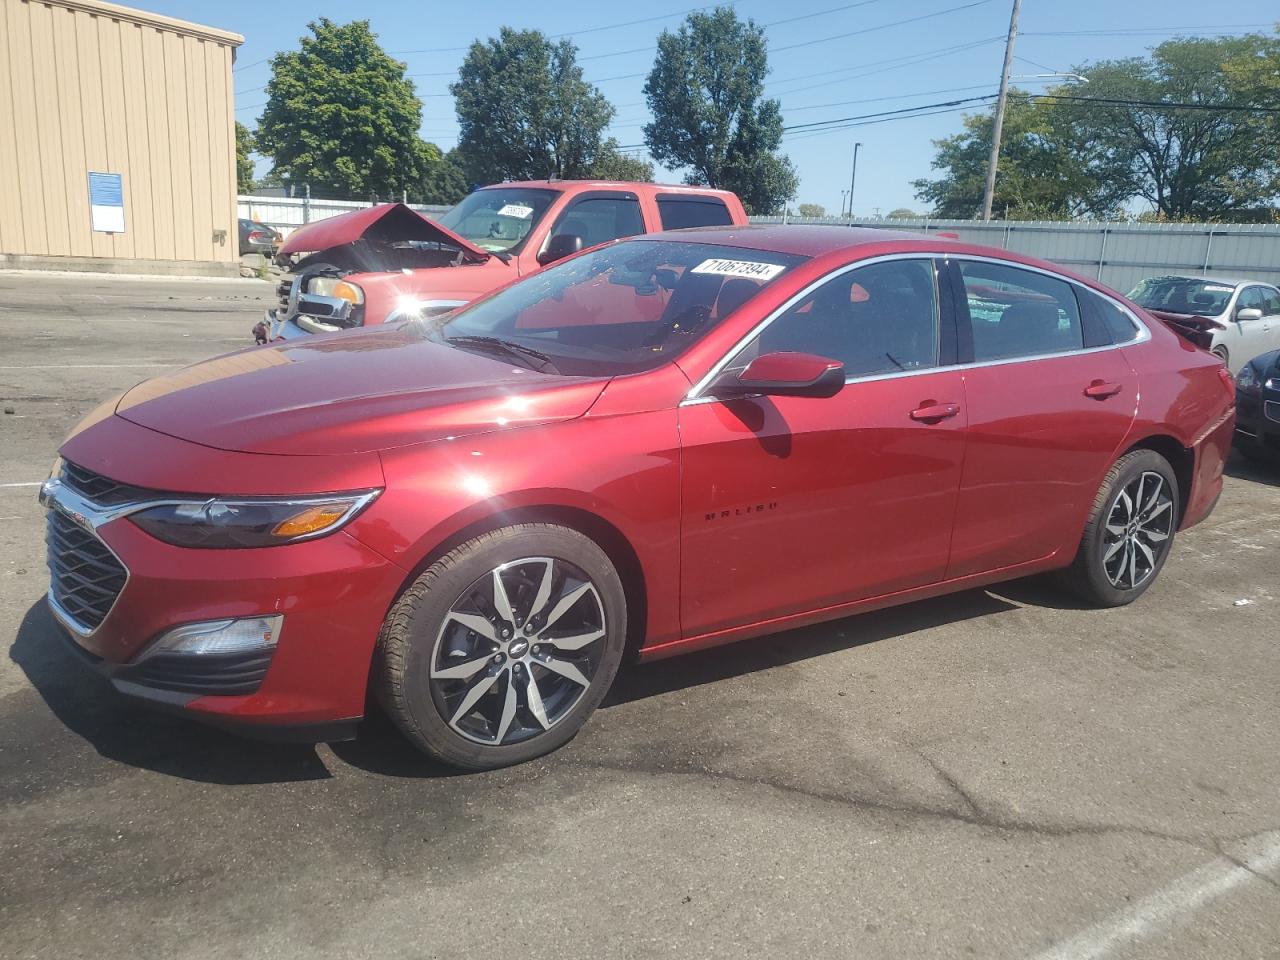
(695, 395)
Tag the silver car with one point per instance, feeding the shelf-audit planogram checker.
(1243, 315)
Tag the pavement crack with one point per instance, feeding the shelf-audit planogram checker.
(973, 814)
(975, 810)
(1244, 865)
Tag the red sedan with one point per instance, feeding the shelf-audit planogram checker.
(659, 445)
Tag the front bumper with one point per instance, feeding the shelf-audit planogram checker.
(333, 593)
(1258, 422)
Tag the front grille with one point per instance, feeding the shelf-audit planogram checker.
(84, 576)
(101, 490)
(228, 674)
(1272, 410)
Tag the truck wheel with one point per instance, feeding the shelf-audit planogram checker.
(502, 648)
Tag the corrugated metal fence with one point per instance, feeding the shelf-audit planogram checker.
(1118, 254)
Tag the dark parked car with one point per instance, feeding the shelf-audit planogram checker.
(1258, 408)
(257, 237)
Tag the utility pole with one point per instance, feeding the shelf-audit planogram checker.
(998, 127)
(844, 196)
(853, 178)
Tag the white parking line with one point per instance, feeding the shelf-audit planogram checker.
(24, 483)
(1174, 904)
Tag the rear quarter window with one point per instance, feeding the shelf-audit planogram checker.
(679, 212)
(1119, 324)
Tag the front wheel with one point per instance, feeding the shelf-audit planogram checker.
(1129, 533)
(502, 648)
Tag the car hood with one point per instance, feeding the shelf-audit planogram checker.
(353, 392)
(385, 223)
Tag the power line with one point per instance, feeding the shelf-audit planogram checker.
(883, 26)
(1158, 104)
(848, 6)
(578, 33)
(894, 63)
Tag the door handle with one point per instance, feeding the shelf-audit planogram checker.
(931, 411)
(1101, 389)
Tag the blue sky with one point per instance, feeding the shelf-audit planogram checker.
(829, 59)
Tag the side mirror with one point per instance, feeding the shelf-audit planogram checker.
(560, 246)
(1248, 313)
(783, 375)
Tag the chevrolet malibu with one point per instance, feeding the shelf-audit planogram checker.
(660, 445)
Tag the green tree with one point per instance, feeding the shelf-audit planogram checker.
(1202, 163)
(812, 210)
(612, 164)
(1040, 176)
(341, 116)
(443, 182)
(244, 166)
(705, 94)
(902, 213)
(524, 111)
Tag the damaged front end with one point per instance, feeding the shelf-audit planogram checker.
(319, 296)
(1194, 329)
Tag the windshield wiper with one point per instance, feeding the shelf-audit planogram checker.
(518, 350)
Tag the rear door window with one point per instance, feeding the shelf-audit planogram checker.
(679, 212)
(1019, 313)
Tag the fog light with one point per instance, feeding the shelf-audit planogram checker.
(214, 637)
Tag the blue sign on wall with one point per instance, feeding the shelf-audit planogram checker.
(106, 202)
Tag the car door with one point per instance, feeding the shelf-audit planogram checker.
(1255, 335)
(1049, 398)
(791, 504)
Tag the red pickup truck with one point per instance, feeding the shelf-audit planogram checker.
(388, 261)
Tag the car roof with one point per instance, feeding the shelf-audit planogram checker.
(1224, 281)
(633, 185)
(800, 239)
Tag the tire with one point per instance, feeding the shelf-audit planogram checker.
(1113, 568)
(478, 686)
(1221, 354)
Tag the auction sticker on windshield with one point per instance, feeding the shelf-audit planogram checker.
(739, 268)
(518, 210)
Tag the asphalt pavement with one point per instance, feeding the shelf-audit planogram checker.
(996, 774)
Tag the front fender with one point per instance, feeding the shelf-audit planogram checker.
(622, 469)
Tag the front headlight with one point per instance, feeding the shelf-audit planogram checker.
(222, 523)
(1248, 381)
(333, 287)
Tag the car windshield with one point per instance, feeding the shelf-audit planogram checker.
(624, 308)
(1186, 295)
(498, 220)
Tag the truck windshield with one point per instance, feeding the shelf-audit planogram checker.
(623, 308)
(498, 220)
(1187, 295)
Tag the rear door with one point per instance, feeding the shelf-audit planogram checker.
(1049, 397)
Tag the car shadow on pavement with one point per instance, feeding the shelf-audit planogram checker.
(1243, 469)
(118, 729)
(139, 736)
(381, 749)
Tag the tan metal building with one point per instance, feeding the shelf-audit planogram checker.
(117, 140)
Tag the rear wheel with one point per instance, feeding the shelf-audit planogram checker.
(1129, 533)
(501, 649)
